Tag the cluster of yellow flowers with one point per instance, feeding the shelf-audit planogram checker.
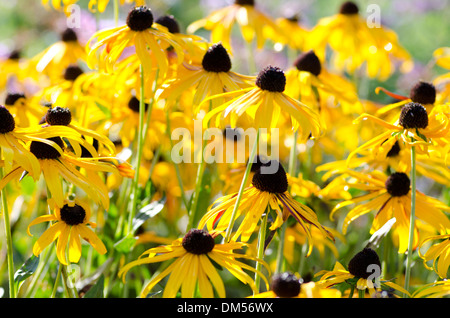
(95, 142)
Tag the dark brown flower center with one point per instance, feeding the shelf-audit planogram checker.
(12, 98)
(198, 242)
(44, 151)
(349, 8)
(69, 35)
(7, 122)
(216, 59)
(364, 263)
(72, 72)
(394, 151)
(140, 18)
(232, 133)
(170, 23)
(270, 177)
(73, 215)
(15, 55)
(286, 285)
(308, 62)
(398, 184)
(58, 116)
(271, 79)
(133, 104)
(423, 93)
(413, 115)
(245, 2)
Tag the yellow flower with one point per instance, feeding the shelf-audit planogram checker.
(397, 158)
(148, 38)
(267, 190)
(212, 77)
(14, 141)
(437, 289)
(364, 273)
(291, 26)
(438, 253)
(71, 222)
(14, 66)
(54, 163)
(355, 44)
(442, 82)
(288, 285)
(192, 265)
(422, 92)
(254, 24)
(93, 5)
(266, 104)
(311, 83)
(60, 55)
(414, 127)
(390, 196)
(26, 111)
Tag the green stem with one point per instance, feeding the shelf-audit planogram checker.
(139, 152)
(9, 244)
(261, 245)
(241, 189)
(412, 218)
(198, 184)
(352, 291)
(177, 169)
(72, 291)
(58, 277)
(251, 58)
(116, 12)
(292, 172)
(361, 293)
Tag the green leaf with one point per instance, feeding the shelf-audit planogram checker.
(96, 291)
(148, 211)
(105, 110)
(126, 244)
(27, 269)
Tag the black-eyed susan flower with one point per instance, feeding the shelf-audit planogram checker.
(26, 111)
(414, 127)
(388, 197)
(150, 42)
(363, 273)
(253, 23)
(268, 189)
(356, 45)
(212, 77)
(422, 92)
(14, 66)
(397, 158)
(193, 265)
(311, 83)
(62, 116)
(438, 253)
(14, 142)
(58, 56)
(288, 285)
(291, 25)
(71, 222)
(265, 103)
(56, 163)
